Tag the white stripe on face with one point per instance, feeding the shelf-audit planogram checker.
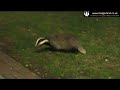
(42, 42)
(36, 44)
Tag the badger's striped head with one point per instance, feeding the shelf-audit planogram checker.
(41, 41)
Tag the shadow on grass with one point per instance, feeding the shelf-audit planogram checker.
(54, 50)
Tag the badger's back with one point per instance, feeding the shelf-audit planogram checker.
(64, 41)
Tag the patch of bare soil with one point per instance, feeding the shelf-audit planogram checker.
(6, 46)
(10, 69)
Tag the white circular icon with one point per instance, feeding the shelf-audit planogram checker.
(86, 13)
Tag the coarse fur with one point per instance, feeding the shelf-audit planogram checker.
(61, 42)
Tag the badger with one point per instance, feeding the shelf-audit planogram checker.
(63, 41)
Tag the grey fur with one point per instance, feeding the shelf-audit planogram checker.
(65, 42)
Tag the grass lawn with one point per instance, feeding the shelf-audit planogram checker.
(100, 36)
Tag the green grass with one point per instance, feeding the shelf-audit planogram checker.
(100, 36)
